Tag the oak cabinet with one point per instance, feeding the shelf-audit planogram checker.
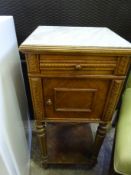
(78, 81)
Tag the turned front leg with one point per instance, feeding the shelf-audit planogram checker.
(41, 133)
(100, 135)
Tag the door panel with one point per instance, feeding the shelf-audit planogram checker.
(68, 99)
(75, 98)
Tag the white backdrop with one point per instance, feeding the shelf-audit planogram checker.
(14, 145)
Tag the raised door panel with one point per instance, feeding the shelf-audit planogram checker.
(79, 99)
(75, 98)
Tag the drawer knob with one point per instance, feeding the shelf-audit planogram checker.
(49, 102)
(78, 67)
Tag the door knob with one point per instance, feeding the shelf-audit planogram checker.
(49, 102)
(78, 67)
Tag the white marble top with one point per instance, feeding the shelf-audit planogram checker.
(75, 36)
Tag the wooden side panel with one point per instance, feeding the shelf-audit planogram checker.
(32, 63)
(37, 97)
(123, 64)
(112, 99)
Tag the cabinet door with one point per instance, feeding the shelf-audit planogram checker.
(75, 98)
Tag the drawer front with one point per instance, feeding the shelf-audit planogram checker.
(77, 64)
(75, 98)
(49, 65)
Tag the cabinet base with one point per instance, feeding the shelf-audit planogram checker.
(69, 144)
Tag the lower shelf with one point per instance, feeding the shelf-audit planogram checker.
(69, 143)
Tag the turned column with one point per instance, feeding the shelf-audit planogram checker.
(38, 106)
(112, 100)
(100, 135)
(41, 133)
